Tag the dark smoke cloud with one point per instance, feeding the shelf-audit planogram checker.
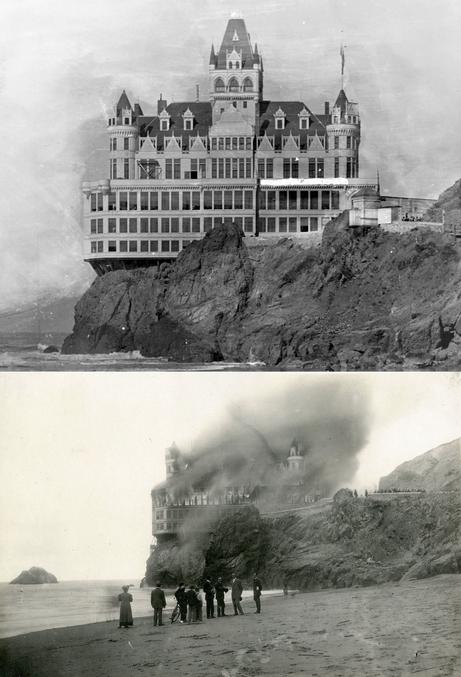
(247, 445)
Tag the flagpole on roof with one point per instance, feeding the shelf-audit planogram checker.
(341, 51)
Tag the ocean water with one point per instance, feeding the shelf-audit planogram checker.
(24, 352)
(28, 608)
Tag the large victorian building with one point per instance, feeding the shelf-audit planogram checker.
(275, 168)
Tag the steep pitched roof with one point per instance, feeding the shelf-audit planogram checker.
(341, 101)
(236, 37)
(123, 102)
(201, 111)
(291, 109)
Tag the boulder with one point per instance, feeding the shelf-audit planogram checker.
(34, 576)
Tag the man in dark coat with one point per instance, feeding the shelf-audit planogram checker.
(209, 598)
(220, 592)
(191, 597)
(257, 588)
(158, 603)
(181, 599)
(236, 592)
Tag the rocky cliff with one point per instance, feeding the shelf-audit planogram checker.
(352, 541)
(33, 576)
(371, 300)
(438, 469)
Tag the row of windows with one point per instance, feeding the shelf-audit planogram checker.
(166, 225)
(233, 85)
(174, 200)
(291, 224)
(299, 199)
(232, 143)
(231, 168)
(120, 143)
(134, 247)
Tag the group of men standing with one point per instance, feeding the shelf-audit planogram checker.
(190, 601)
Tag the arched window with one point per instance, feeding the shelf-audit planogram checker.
(247, 85)
(233, 85)
(219, 86)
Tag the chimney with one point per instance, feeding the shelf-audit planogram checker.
(327, 108)
(161, 105)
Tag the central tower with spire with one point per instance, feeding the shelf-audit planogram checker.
(236, 74)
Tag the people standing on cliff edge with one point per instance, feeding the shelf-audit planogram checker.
(125, 599)
(158, 603)
(236, 592)
(209, 598)
(220, 593)
(257, 589)
(181, 599)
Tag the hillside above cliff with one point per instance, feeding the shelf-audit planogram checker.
(448, 206)
(438, 469)
(370, 301)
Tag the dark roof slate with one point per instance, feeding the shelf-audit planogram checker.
(235, 27)
(342, 101)
(150, 125)
(291, 109)
(123, 102)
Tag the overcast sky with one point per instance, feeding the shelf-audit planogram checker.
(63, 64)
(79, 453)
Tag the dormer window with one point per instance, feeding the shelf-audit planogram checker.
(279, 117)
(188, 118)
(164, 120)
(304, 119)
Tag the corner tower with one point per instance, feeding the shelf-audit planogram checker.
(343, 131)
(236, 74)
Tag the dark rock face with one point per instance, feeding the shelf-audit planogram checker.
(35, 575)
(352, 541)
(361, 301)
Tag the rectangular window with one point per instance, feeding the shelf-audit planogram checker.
(168, 169)
(238, 199)
(144, 201)
(186, 200)
(154, 201)
(235, 143)
(221, 168)
(112, 246)
(349, 167)
(123, 225)
(207, 224)
(93, 226)
(153, 245)
(144, 225)
(186, 225)
(325, 199)
(175, 225)
(221, 141)
(314, 223)
(235, 168)
(100, 204)
(261, 169)
(241, 168)
(336, 167)
(123, 246)
(217, 197)
(111, 202)
(248, 143)
(248, 199)
(287, 169)
(126, 168)
(304, 225)
(112, 227)
(292, 199)
(165, 225)
(195, 200)
(214, 167)
(113, 144)
(262, 199)
(165, 246)
(133, 246)
(100, 226)
(133, 225)
(312, 168)
(218, 221)
(196, 225)
(248, 167)
(241, 139)
(262, 225)
(271, 224)
(214, 144)
(153, 225)
(177, 169)
(175, 200)
(314, 199)
(207, 199)
(175, 245)
(348, 142)
(238, 221)
(269, 168)
(283, 225)
(202, 168)
(113, 168)
(292, 224)
(283, 199)
(228, 143)
(336, 143)
(227, 199)
(271, 199)
(295, 169)
(133, 201)
(228, 169)
(126, 143)
(100, 247)
(304, 199)
(335, 199)
(165, 201)
(248, 224)
(320, 168)
(144, 246)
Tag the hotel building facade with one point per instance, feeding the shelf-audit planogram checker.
(274, 168)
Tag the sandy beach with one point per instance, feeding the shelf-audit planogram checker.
(395, 629)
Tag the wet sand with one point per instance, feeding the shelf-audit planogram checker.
(411, 628)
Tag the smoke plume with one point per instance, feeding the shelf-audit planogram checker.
(249, 446)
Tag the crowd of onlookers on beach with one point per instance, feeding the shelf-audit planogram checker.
(190, 601)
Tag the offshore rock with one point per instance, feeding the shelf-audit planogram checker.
(35, 575)
(373, 300)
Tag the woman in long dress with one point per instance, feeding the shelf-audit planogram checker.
(125, 599)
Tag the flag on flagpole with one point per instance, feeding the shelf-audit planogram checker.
(341, 51)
